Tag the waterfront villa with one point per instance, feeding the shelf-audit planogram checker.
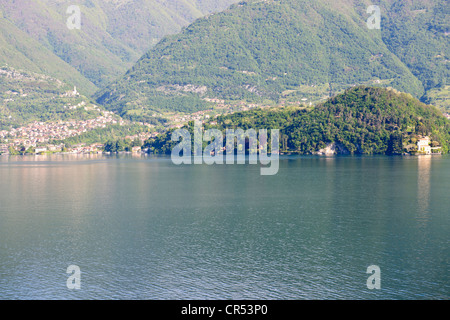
(423, 146)
(4, 148)
(40, 149)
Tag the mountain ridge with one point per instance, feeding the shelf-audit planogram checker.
(113, 35)
(268, 50)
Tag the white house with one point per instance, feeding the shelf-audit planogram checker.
(41, 149)
(423, 145)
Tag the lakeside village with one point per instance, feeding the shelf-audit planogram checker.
(36, 137)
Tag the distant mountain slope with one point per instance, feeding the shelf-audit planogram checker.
(284, 51)
(362, 120)
(113, 34)
(140, 24)
(28, 96)
(418, 31)
(19, 50)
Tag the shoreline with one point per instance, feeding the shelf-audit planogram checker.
(281, 155)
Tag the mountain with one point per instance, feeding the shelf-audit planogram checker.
(417, 32)
(20, 51)
(366, 120)
(28, 96)
(114, 33)
(288, 52)
(361, 120)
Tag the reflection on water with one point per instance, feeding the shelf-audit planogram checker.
(68, 157)
(423, 183)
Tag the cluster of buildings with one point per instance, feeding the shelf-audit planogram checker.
(221, 108)
(39, 134)
(424, 147)
(180, 120)
(143, 136)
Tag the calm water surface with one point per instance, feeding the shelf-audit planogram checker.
(143, 228)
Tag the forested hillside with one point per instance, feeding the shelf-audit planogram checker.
(114, 33)
(417, 31)
(288, 51)
(27, 96)
(362, 120)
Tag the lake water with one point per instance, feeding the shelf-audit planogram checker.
(143, 228)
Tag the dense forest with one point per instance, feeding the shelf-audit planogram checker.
(362, 120)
